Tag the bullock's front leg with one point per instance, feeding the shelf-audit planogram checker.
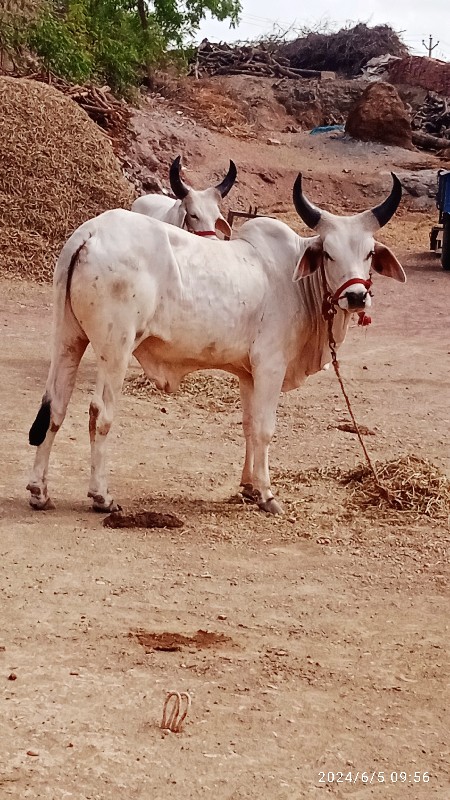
(101, 412)
(266, 394)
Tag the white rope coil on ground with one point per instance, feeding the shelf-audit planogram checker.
(173, 719)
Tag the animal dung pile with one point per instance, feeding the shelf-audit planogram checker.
(407, 484)
(57, 170)
(142, 519)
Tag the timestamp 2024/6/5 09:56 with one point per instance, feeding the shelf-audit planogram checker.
(374, 776)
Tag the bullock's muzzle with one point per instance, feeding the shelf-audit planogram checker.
(356, 301)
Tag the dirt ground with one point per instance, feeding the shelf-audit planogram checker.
(325, 670)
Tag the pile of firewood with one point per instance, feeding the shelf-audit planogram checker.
(434, 116)
(257, 60)
(100, 104)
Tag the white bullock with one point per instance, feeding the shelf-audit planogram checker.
(253, 307)
(196, 210)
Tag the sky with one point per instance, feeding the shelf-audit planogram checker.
(414, 20)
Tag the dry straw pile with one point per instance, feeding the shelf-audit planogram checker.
(57, 169)
(414, 485)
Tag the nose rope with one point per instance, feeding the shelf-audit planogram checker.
(330, 300)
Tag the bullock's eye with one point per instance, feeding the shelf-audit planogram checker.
(327, 256)
(193, 216)
(371, 255)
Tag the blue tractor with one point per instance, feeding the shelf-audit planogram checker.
(440, 234)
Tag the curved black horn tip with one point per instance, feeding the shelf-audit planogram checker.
(397, 182)
(227, 183)
(179, 188)
(309, 213)
(387, 209)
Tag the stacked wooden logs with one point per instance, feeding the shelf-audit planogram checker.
(431, 124)
(257, 60)
(434, 116)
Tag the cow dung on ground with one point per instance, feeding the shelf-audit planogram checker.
(58, 169)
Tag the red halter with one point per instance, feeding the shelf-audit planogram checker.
(204, 233)
(330, 301)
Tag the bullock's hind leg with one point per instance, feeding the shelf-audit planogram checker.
(60, 383)
(246, 391)
(112, 363)
(265, 398)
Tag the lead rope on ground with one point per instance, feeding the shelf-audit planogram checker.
(173, 721)
(332, 344)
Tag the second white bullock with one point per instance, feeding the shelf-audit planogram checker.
(196, 210)
(253, 307)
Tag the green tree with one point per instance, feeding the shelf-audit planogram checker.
(116, 41)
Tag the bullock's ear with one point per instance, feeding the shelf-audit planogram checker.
(309, 262)
(223, 227)
(181, 214)
(384, 262)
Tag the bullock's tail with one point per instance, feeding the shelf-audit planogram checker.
(41, 424)
(61, 310)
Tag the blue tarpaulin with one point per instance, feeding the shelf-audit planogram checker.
(326, 129)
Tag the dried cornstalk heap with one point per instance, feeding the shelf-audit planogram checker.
(414, 485)
(345, 51)
(57, 169)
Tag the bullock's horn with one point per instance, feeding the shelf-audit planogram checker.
(387, 209)
(309, 214)
(179, 188)
(228, 181)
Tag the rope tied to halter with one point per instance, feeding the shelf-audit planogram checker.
(329, 311)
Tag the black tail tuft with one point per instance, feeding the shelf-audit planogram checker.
(40, 425)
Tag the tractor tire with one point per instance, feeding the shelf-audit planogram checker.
(445, 258)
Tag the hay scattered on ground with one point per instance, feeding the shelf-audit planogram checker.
(414, 485)
(204, 385)
(57, 169)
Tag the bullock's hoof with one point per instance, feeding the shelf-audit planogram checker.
(103, 506)
(38, 500)
(248, 492)
(271, 506)
(39, 505)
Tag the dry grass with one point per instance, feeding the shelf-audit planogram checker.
(206, 385)
(207, 102)
(413, 485)
(215, 108)
(57, 170)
